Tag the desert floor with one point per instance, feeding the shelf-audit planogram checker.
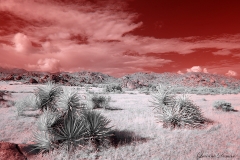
(136, 123)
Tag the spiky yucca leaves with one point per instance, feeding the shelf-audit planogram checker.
(63, 127)
(97, 127)
(43, 141)
(47, 96)
(69, 99)
(175, 112)
(47, 119)
(163, 97)
(69, 131)
(185, 113)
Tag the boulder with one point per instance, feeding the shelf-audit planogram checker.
(33, 81)
(42, 80)
(212, 81)
(11, 151)
(46, 77)
(18, 77)
(131, 85)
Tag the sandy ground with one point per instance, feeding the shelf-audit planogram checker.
(19, 129)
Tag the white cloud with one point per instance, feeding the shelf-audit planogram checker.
(231, 73)
(205, 70)
(180, 72)
(47, 65)
(195, 69)
(23, 44)
(222, 52)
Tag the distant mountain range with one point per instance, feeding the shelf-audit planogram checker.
(136, 80)
(12, 70)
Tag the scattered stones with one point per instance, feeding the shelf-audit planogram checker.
(55, 78)
(9, 78)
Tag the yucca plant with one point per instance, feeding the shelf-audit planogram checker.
(47, 96)
(96, 126)
(65, 127)
(43, 141)
(69, 99)
(69, 131)
(47, 119)
(187, 114)
(163, 97)
(176, 112)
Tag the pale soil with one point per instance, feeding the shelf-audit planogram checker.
(137, 119)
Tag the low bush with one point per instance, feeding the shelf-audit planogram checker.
(100, 101)
(223, 105)
(113, 88)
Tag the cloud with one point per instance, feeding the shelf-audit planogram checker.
(71, 36)
(23, 44)
(46, 65)
(48, 47)
(180, 72)
(195, 69)
(205, 70)
(231, 73)
(223, 52)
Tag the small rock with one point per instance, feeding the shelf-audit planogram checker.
(11, 151)
(18, 77)
(32, 80)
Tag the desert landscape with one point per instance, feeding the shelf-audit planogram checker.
(137, 132)
(119, 80)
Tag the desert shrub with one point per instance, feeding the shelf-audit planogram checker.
(113, 88)
(176, 112)
(223, 105)
(2, 93)
(28, 103)
(70, 125)
(4, 99)
(95, 85)
(100, 101)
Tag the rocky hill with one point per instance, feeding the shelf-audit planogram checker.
(132, 81)
(193, 79)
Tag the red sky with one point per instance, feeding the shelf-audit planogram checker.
(121, 37)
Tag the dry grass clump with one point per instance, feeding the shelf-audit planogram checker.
(223, 105)
(28, 103)
(177, 112)
(113, 88)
